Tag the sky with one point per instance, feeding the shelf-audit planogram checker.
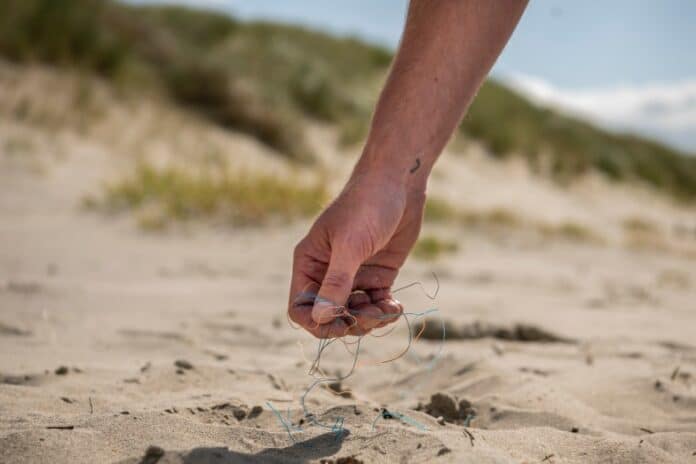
(624, 64)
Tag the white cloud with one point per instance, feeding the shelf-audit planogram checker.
(664, 111)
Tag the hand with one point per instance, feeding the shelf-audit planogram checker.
(344, 268)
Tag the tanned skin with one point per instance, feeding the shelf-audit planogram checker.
(353, 252)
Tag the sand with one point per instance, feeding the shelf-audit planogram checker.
(118, 345)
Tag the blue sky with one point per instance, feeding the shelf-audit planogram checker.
(628, 65)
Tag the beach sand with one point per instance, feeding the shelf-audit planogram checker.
(118, 345)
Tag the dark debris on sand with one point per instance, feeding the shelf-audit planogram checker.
(343, 460)
(447, 407)
(255, 412)
(6, 329)
(152, 455)
(240, 412)
(338, 389)
(478, 329)
(24, 379)
(183, 364)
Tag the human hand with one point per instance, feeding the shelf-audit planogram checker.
(344, 268)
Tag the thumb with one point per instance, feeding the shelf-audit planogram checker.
(335, 288)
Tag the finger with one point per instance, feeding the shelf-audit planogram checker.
(335, 288)
(301, 302)
(382, 294)
(356, 331)
(335, 329)
(379, 294)
(367, 316)
(306, 296)
(374, 276)
(391, 309)
(300, 280)
(357, 299)
(302, 315)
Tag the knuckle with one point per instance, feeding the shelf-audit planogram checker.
(369, 241)
(358, 243)
(337, 279)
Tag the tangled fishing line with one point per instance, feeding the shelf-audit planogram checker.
(337, 424)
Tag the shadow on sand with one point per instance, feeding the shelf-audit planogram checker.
(301, 452)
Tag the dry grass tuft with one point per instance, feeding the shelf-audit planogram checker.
(570, 231)
(639, 225)
(494, 218)
(438, 210)
(642, 234)
(265, 79)
(160, 196)
(430, 247)
(503, 220)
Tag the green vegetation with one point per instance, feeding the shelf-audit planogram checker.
(160, 196)
(430, 247)
(570, 231)
(257, 78)
(438, 211)
(639, 225)
(264, 79)
(510, 125)
(642, 234)
(496, 217)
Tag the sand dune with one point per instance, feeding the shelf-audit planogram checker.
(118, 345)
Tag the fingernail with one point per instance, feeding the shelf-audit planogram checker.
(324, 311)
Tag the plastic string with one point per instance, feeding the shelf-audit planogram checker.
(337, 425)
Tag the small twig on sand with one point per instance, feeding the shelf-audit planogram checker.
(60, 427)
(547, 457)
(675, 373)
(471, 436)
(646, 430)
(91, 406)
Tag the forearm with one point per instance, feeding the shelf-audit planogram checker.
(447, 49)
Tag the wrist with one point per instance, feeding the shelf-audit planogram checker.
(394, 167)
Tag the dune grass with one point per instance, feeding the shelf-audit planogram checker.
(495, 217)
(258, 78)
(643, 234)
(566, 147)
(431, 247)
(438, 210)
(570, 231)
(162, 196)
(498, 219)
(639, 225)
(266, 79)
